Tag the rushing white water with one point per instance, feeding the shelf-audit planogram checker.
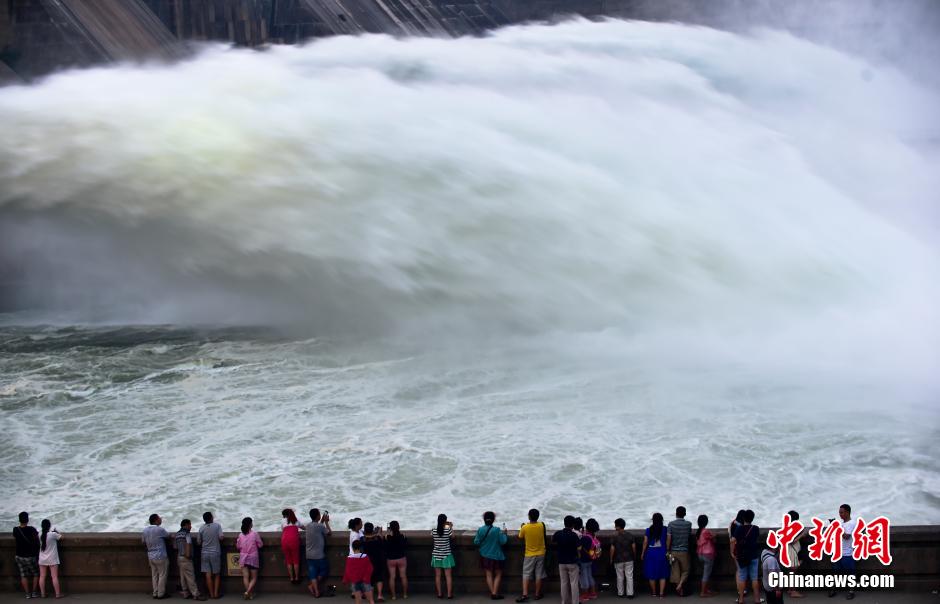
(596, 267)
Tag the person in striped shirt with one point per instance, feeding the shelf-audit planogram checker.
(442, 557)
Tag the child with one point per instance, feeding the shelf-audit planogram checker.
(358, 572)
(705, 546)
(374, 546)
(248, 544)
(290, 544)
(355, 532)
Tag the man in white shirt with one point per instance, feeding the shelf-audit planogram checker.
(846, 564)
(154, 537)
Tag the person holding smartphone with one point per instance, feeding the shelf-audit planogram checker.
(442, 556)
(491, 541)
(318, 567)
(49, 558)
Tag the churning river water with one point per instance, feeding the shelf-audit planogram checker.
(604, 268)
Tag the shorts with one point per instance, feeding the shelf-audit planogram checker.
(211, 563)
(401, 564)
(491, 564)
(533, 566)
(749, 570)
(446, 562)
(27, 566)
(360, 586)
(318, 569)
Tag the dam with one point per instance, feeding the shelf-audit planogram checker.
(431, 255)
(117, 562)
(41, 36)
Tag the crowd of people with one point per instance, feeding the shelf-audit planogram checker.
(376, 560)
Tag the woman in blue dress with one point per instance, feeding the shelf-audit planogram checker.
(655, 566)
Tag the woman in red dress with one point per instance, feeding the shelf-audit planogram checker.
(290, 544)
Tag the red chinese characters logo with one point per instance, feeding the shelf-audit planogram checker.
(869, 539)
(872, 539)
(826, 542)
(784, 537)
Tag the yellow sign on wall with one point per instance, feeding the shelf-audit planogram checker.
(232, 565)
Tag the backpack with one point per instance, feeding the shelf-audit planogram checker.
(595, 552)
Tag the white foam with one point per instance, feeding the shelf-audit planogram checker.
(580, 232)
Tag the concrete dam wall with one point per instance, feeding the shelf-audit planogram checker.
(41, 36)
(38, 37)
(117, 562)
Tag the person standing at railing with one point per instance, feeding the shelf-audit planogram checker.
(678, 535)
(442, 556)
(492, 559)
(655, 566)
(290, 544)
(705, 546)
(746, 551)
(27, 555)
(49, 558)
(249, 544)
(395, 544)
(373, 545)
(622, 557)
(154, 537)
(568, 552)
(210, 539)
(318, 567)
(183, 541)
(534, 536)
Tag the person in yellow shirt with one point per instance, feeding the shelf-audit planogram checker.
(533, 565)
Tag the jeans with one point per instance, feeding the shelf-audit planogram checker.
(568, 575)
(624, 572)
(845, 565)
(707, 565)
(586, 576)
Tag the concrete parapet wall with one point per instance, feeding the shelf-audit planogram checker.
(117, 562)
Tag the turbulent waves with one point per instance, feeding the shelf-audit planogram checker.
(550, 230)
